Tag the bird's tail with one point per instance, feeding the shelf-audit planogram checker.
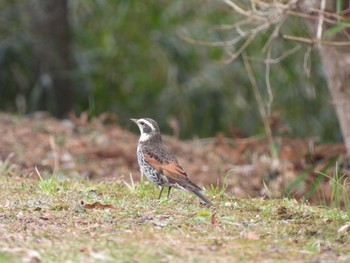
(198, 193)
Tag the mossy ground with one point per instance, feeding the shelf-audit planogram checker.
(52, 225)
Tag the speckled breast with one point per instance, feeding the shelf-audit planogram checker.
(146, 169)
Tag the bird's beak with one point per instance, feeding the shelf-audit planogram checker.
(134, 120)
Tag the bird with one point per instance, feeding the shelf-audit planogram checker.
(158, 164)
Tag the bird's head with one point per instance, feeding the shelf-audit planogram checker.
(149, 129)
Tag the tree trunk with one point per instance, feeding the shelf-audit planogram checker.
(336, 63)
(48, 20)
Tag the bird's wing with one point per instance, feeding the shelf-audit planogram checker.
(169, 168)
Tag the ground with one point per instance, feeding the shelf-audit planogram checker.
(70, 192)
(69, 220)
(99, 149)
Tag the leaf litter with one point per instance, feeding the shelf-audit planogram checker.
(89, 161)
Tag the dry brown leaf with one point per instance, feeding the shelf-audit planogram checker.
(252, 236)
(214, 219)
(99, 205)
(20, 215)
(159, 224)
(86, 150)
(29, 255)
(45, 216)
(345, 228)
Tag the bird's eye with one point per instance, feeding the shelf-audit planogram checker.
(142, 123)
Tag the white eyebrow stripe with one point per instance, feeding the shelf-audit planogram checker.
(148, 123)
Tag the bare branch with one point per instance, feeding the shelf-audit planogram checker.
(208, 43)
(247, 21)
(257, 97)
(336, 16)
(278, 59)
(308, 16)
(274, 33)
(233, 56)
(307, 61)
(283, 56)
(243, 12)
(320, 21)
(267, 81)
(313, 41)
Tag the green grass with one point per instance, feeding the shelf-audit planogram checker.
(48, 220)
(339, 199)
(47, 185)
(219, 190)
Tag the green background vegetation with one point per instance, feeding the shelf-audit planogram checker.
(129, 59)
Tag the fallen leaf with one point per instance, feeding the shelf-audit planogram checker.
(345, 228)
(99, 205)
(79, 208)
(214, 219)
(29, 255)
(159, 224)
(143, 218)
(45, 216)
(146, 217)
(252, 236)
(294, 201)
(101, 256)
(20, 215)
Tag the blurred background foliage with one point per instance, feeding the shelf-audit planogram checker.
(128, 57)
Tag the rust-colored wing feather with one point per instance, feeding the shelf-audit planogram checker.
(169, 168)
(161, 159)
(166, 164)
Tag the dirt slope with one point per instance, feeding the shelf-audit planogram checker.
(100, 148)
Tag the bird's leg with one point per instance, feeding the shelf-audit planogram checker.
(161, 191)
(169, 192)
